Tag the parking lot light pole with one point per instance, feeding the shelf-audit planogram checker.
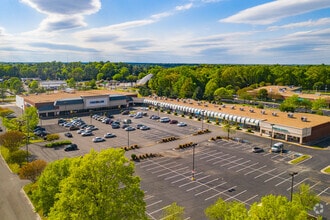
(202, 118)
(292, 174)
(271, 135)
(193, 165)
(127, 138)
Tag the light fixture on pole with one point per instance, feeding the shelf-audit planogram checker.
(292, 174)
(202, 118)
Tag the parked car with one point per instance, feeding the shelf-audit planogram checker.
(144, 127)
(68, 134)
(165, 120)
(73, 128)
(124, 126)
(98, 139)
(125, 112)
(129, 129)
(181, 124)
(277, 147)
(257, 150)
(109, 135)
(173, 121)
(71, 147)
(138, 126)
(154, 117)
(61, 121)
(87, 133)
(1, 129)
(115, 125)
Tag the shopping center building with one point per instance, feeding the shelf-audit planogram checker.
(294, 127)
(60, 103)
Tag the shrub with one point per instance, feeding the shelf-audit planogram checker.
(134, 157)
(32, 171)
(175, 113)
(58, 143)
(52, 137)
(18, 157)
(190, 117)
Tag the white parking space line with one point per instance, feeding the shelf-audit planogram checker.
(156, 165)
(211, 188)
(246, 201)
(267, 180)
(220, 193)
(148, 197)
(204, 177)
(202, 185)
(311, 187)
(233, 161)
(285, 180)
(213, 156)
(277, 155)
(216, 158)
(159, 201)
(233, 197)
(151, 163)
(158, 210)
(264, 173)
(267, 154)
(207, 154)
(185, 178)
(179, 174)
(223, 159)
(164, 174)
(247, 167)
(167, 168)
(240, 164)
(323, 191)
(254, 170)
(288, 189)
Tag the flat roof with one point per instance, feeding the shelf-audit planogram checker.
(57, 95)
(281, 118)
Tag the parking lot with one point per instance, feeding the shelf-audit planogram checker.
(226, 169)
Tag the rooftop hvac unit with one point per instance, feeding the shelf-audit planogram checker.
(263, 112)
(290, 115)
(304, 118)
(274, 114)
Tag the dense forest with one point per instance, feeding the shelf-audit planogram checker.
(198, 81)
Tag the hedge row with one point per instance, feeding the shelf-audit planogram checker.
(58, 143)
(144, 156)
(183, 146)
(169, 139)
(215, 138)
(202, 132)
(132, 147)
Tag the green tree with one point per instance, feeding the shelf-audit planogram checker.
(228, 128)
(307, 198)
(30, 118)
(71, 83)
(33, 86)
(12, 140)
(92, 84)
(99, 186)
(3, 90)
(229, 211)
(15, 85)
(262, 94)
(223, 93)
(18, 156)
(173, 212)
(48, 184)
(99, 76)
(319, 104)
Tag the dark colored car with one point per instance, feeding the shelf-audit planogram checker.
(115, 125)
(125, 112)
(257, 150)
(73, 128)
(71, 147)
(1, 129)
(173, 122)
(68, 134)
(61, 120)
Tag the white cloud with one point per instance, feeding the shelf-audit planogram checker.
(183, 7)
(276, 10)
(64, 14)
(304, 24)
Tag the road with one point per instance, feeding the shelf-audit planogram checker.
(13, 203)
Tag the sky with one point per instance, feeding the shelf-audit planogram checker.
(166, 31)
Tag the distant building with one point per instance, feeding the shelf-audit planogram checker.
(53, 84)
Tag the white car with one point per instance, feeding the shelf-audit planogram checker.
(109, 135)
(129, 129)
(181, 124)
(98, 139)
(144, 127)
(164, 119)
